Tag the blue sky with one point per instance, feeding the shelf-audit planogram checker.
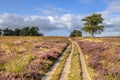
(29, 7)
(59, 17)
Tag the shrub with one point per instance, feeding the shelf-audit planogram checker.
(17, 64)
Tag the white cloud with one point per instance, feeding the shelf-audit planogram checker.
(113, 8)
(45, 23)
(111, 18)
(114, 5)
(49, 23)
(72, 21)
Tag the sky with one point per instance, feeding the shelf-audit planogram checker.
(59, 17)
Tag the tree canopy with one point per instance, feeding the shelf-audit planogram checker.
(7, 32)
(93, 24)
(26, 31)
(0, 32)
(76, 33)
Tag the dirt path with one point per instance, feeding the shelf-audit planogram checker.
(49, 74)
(67, 65)
(85, 74)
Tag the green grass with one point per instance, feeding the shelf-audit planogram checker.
(75, 73)
(18, 63)
(60, 67)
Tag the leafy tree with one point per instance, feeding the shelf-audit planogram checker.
(7, 32)
(34, 31)
(0, 32)
(76, 33)
(17, 32)
(93, 24)
(25, 31)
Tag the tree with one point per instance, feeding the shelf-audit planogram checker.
(93, 24)
(17, 32)
(0, 32)
(30, 31)
(76, 33)
(25, 31)
(34, 31)
(7, 32)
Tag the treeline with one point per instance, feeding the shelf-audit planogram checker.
(26, 31)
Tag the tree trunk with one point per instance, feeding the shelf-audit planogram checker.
(92, 34)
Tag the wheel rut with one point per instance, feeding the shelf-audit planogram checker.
(85, 74)
(67, 65)
(50, 73)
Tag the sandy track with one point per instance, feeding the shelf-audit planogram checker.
(48, 75)
(67, 65)
(85, 74)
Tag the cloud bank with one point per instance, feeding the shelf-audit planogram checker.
(66, 21)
